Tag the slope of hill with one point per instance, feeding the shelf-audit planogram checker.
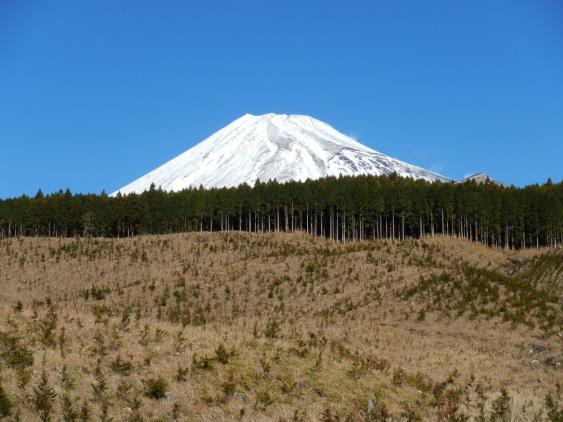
(272, 147)
(235, 326)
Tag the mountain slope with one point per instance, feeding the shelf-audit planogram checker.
(480, 178)
(272, 147)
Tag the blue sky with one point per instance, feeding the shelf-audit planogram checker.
(95, 94)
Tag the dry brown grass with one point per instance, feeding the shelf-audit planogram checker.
(266, 327)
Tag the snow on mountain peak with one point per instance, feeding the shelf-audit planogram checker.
(481, 178)
(272, 146)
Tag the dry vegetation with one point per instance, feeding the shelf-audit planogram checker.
(278, 327)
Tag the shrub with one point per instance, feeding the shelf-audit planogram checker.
(120, 366)
(19, 306)
(222, 355)
(399, 377)
(182, 374)
(229, 385)
(272, 329)
(554, 411)
(265, 398)
(421, 315)
(43, 398)
(156, 388)
(15, 354)
(5, 403)
(69, 414)
(204, 363)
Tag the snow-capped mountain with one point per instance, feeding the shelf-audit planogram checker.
(480, 178)
(272, 147)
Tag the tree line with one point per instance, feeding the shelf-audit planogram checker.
(344, 209)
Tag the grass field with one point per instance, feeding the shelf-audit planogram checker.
(283, 327)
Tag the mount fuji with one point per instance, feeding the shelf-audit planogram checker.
(272, 147)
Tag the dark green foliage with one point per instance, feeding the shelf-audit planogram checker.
(5, 403)
(272, 329)
(19, 306)
(222, 355)
(13, 352)
(480, 291)
(545, 271)
(47, 328)
(156, 388)
(553, 406)
(345, 209)
(121, 366)
(228, 385)
(66, 380)
(264, 398)
(202, 363)
(43, 398)
(182, 374)
(69, 414)
(97, 293)
(399, 377)
(421, 315)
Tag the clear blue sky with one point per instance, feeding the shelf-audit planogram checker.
(95, 94)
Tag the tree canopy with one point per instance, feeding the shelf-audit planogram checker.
(343, 209)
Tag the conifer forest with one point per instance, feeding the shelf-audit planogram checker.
(344, 209)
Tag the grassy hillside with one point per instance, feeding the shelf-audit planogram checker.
(280, 327)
